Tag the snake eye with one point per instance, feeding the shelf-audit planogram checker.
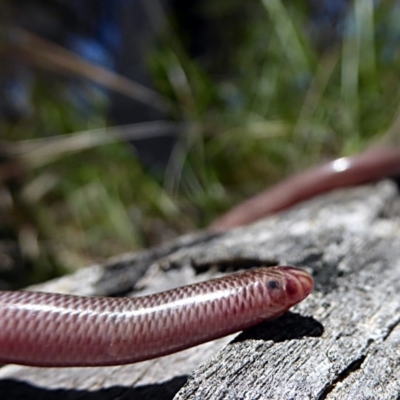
(273, 284)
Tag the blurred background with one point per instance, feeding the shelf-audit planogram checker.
(126, 123)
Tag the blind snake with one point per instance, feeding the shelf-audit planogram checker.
(61, 330)
(44, 329)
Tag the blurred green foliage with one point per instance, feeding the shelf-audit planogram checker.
(274, 103)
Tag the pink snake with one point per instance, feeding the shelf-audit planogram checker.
(61, 330)
(347, 171)
(54, 330)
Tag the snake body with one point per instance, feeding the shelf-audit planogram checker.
(45, 329)
(347, 171)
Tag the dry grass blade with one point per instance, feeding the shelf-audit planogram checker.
(50, 56)
(38, 152)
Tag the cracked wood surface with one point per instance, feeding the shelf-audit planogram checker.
(341, 343)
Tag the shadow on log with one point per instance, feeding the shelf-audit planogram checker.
(12, 389)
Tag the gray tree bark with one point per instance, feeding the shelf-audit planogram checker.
(342, 342)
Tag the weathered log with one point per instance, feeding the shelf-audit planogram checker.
(343, 342)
